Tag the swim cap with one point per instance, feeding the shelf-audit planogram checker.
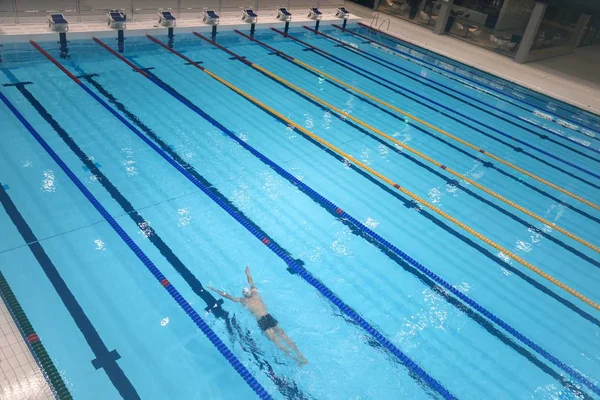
(246, 292)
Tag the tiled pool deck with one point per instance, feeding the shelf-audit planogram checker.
(20, 376)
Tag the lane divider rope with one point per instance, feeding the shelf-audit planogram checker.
(448, 134)
(541, 113)
(302, 272)
(387, 180)
(212, 304)
(593, 130)
(392, 86)
(158, 275)
(398, 69)
(379, 80)
(401, 144)
(576, 126)
(285, 385)
(370, 233)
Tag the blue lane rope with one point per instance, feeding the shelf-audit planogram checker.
(291, 263)
(590, 117)
(581, 123)
(394, 67)
(374, 76)
(365, 230)
(181, 301)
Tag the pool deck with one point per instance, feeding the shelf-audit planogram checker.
(20, 375)
(574, 78)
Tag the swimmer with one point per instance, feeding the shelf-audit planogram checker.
(267, 323)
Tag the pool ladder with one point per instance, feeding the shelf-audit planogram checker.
(375, 21)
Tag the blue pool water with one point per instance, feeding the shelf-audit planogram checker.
(109, 301)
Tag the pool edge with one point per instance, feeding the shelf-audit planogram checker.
(34, 343)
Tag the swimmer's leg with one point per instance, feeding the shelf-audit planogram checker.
(271, 335)
(290, 343)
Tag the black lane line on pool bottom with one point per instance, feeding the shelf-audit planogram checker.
(212, 305)
(393, 357)
(523, 276)
(173, 154)
(447, 179)
(485, 163)
(462, 80)
(411, 204)
(398, 70)
(286, 386)
(402, 92)
(105, 359)
(476, 317)
(476, 74)
(453, 301)
(450, 113)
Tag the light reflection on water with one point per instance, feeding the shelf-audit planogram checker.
(48, 181)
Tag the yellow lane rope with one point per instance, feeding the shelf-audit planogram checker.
(447, 134)
(425, 157)
(388, 181)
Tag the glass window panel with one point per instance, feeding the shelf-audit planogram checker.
(36, 11)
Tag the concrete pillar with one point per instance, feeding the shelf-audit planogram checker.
(442, 18)
(514, 14)
(584, 19)
(529, 36)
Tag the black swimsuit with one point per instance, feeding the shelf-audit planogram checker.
(267, 322)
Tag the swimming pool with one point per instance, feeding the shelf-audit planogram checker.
(399, 213)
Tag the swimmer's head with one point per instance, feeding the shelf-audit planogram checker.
(246, 292)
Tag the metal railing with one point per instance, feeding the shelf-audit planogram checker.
(35, 11)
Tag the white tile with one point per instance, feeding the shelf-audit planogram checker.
(20, 376)
(8, 352)
(16, 347)
(5, 366)
(10, 375)
(13, 326)
(20, 373)
(5, 329)
(29, 368)
(22, 359)
(13, 362)
(13, 390)
(11, 338)
(30, 357)
(24, 347)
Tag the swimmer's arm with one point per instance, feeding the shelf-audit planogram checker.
(236, 299)
(249, 277)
